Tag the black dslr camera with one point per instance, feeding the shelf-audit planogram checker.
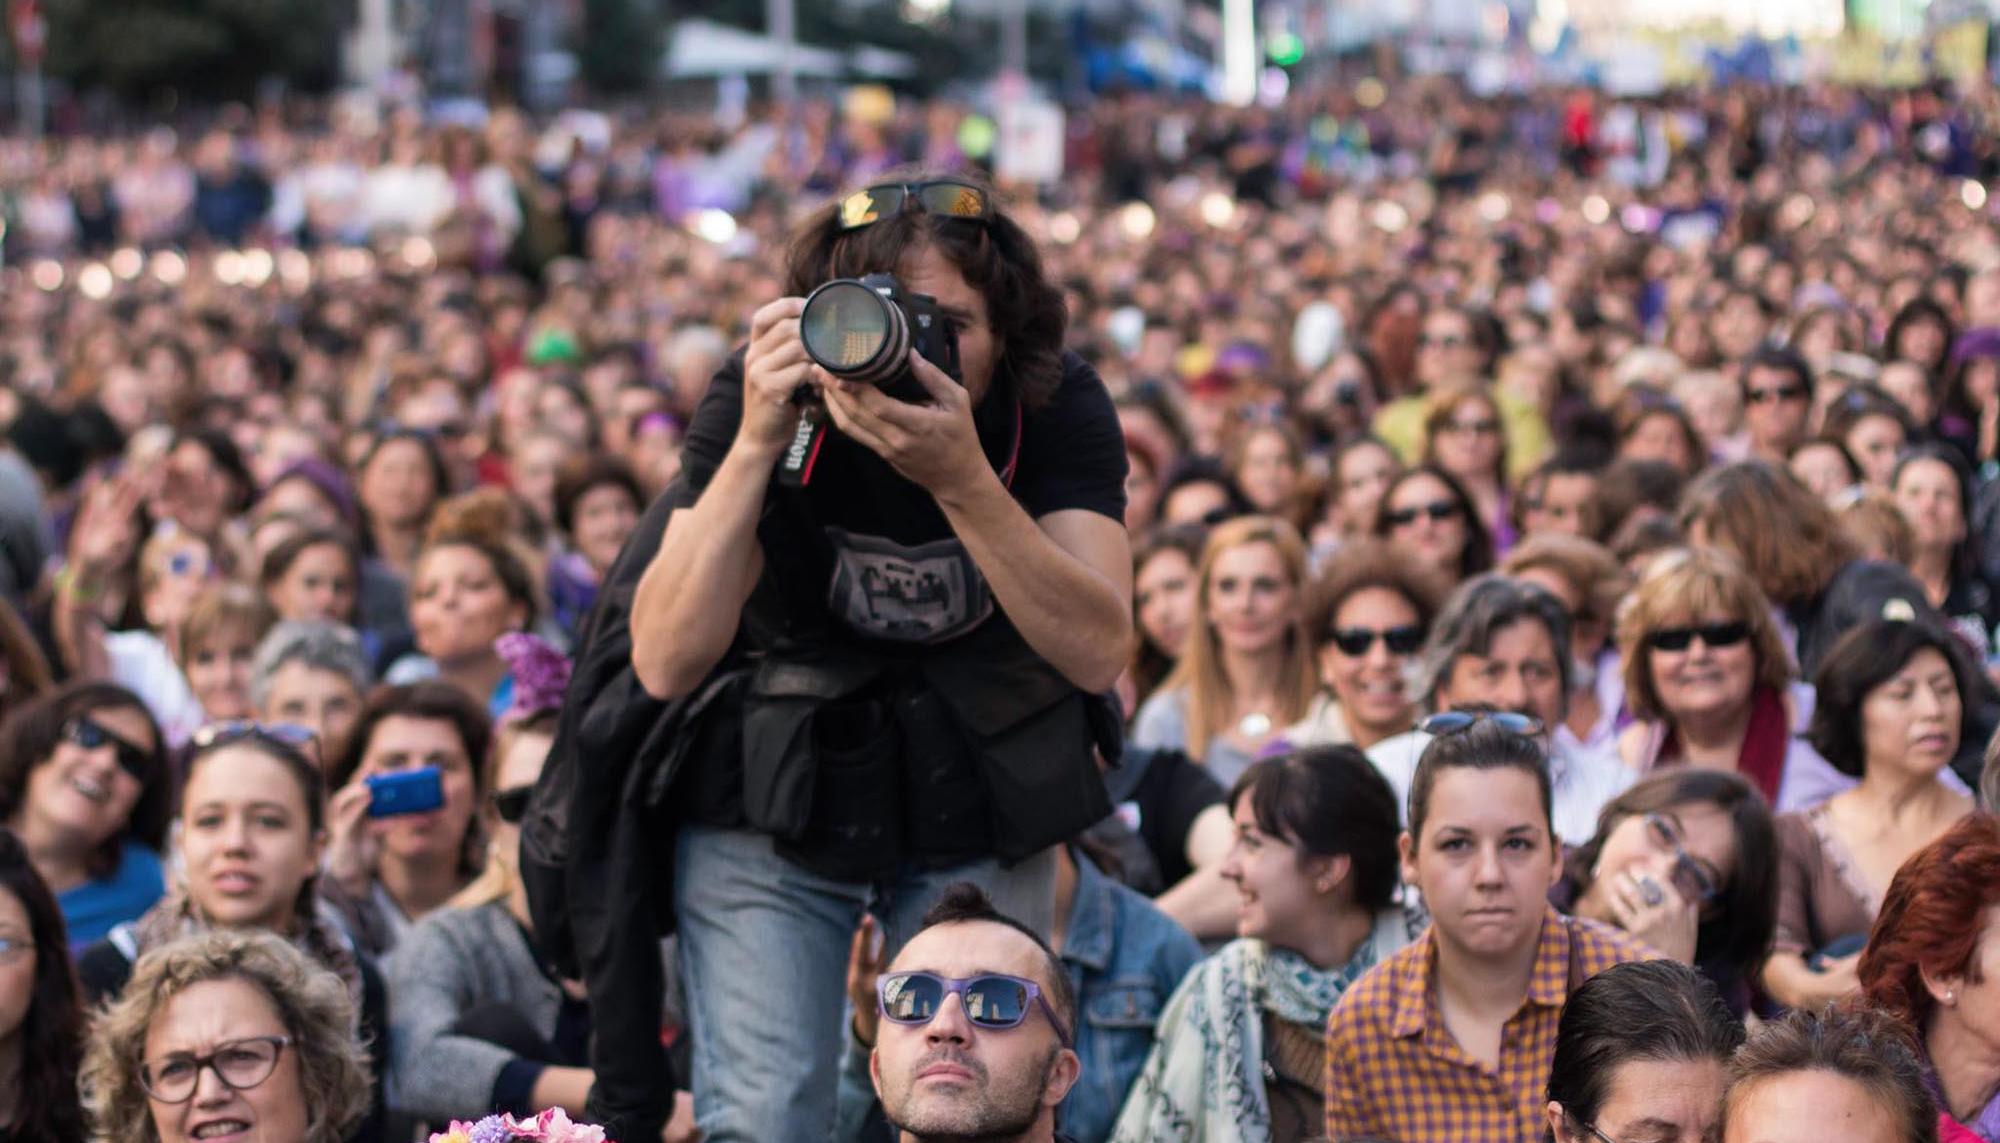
(862, 330)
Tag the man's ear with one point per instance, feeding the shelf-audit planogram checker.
(1064, 1071)
(875, 1069)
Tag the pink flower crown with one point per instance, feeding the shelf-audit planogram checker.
(551, 1126)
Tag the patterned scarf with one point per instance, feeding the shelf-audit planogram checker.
(176, 917)
(1205, 1080)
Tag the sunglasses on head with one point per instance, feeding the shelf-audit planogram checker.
(511, 804)
(285, 735)
(1355, 641)
(1711, 634)
(1459, 721)
(991, 1000)
(1436, 510)
(945, 198)
(89, 734)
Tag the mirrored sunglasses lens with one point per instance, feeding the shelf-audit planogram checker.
(871, 205)
(953, 200)
(996, 1002)
(911, 998)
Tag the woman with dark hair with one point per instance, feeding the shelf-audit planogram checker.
(1465, 439)
(1825, 467)
(1642, 1052)
(1198, 491)
(1850, 1070)
(207, 484)
(1367, 613)
(1590, 583)
(468, 588)
(1891, 713)
(1358, 473)
(1687, 861)
(41, 1017)
(1427, 517)
(84, 784)
(597, 504)
(1933, 963)
(385, 874)
(1873, 428)
(1267, 462)
(1934, 489)
(1969, 410)
(1239, 1050)
(315, 575)
(398, 482)
(1922, 331)
(1653, 426)
(252, 831)
(1164, 587)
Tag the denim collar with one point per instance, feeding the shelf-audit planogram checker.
(1092, 918)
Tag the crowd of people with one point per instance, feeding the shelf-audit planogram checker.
(1556, 538)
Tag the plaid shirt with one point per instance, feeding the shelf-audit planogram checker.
(1393, 1069)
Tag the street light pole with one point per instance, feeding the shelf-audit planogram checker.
(1014, 40)
(781, 23)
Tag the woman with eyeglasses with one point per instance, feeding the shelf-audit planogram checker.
(1369, 612)
(1642, 1053)
(1708, 680)
(252, 832)
(41, 1016)
(1427, 517)
(1240, 1045)
(1246, 670)
(1686, 861)
(1891, 714)
(1465, 439)
(227, 1034)
(84, 784)
(481, 1026)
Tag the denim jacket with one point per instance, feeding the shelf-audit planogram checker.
(1124, 958)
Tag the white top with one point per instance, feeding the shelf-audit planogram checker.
(140, 663)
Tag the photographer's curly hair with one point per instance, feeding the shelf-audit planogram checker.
(998, 258)
(312, 1004)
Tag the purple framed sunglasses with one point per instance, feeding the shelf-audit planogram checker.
(991, 999)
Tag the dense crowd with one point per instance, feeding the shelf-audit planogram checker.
(1565, 569)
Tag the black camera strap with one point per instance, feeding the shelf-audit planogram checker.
(795, 468)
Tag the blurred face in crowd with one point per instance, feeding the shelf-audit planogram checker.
(324, 702)
(1875, 441)
(198, 493)
(319, 584)
(459, 605)
(1251, 601)
(403, 742)
(1822, 468)
(1427, 522)
(1195, 502)
(1446, 351)
(247, 838)
(1713, 676)
(80, 796)
(1775, 404)
(1364, 659)
(533, 471)
(218, 671)
(1485, 861)
(602, 519)
(1558, 504)
(1267, 473)
(1164, 600)
(397, 485)
(1928, 493)
(1658, 436)
(1467, 443)
(952, 1079)
(1364, 475)
(1910, 385)
(198, 1021)
(1518, 672)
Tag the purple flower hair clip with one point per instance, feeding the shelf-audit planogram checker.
(541, 674)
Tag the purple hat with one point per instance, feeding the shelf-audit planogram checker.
(541, 674)
(1983, 341)
(329, 481)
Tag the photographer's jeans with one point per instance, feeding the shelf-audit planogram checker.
(764, 948)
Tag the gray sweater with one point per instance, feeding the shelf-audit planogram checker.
(452, 960)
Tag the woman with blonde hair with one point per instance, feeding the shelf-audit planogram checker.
(228, 1025)
(1590, 582)
(1465, 436)
(1247, 669)
(1708, 676)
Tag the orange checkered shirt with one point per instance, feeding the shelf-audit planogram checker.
(1393, 1070)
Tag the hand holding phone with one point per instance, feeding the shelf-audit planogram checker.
(405, 792)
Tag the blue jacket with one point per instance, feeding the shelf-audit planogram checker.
(1125, 958)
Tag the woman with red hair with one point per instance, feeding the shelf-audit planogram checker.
(1933, 962)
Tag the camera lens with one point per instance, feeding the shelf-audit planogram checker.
(853, 332)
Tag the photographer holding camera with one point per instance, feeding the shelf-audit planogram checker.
(894, 583)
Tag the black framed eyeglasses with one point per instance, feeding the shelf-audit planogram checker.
(86, 732)
(239, 1064)
(1356, 641)
(946, 198)
(1447, 722)
(1712, 635)
(511, 804)
(991, 1000)
(1689, 877)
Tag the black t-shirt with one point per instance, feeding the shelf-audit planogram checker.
(884, 562)
(1156, 796)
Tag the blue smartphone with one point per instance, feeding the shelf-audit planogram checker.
(405, 792)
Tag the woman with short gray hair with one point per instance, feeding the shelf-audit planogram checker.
(311, 673)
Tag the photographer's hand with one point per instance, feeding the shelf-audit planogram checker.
(775, 365)
(933, 445)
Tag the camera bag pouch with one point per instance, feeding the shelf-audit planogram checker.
(945, 813)
(854, 830)
(787, 703)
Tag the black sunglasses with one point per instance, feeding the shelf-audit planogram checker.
(511, 804)
(1782, 393)
(1436, 510)
(1447, 722)
(89, 734)
(1711, 635)
(945, 198)
(1355, 641)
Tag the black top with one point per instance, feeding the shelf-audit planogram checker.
(1156, 796)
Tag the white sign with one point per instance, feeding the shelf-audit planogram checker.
(1030, 147)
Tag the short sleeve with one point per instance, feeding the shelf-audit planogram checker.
(713, 428)
(1798, 868)
(1073, 450)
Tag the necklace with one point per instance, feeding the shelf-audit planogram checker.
(1256, 724)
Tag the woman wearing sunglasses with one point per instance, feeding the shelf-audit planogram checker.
(1427, 517)
(1708, 677)
(1240, 1044)
(1686, 861)
(1246, 670)
(236, 1034)
(84, 785)
(480, 1026)
(252, 831)
(1891, 714)
(1369, 613)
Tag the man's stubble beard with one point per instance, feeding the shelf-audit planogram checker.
(992, 1119)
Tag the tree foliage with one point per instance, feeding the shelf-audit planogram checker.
(211, 48)
(620, 43)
